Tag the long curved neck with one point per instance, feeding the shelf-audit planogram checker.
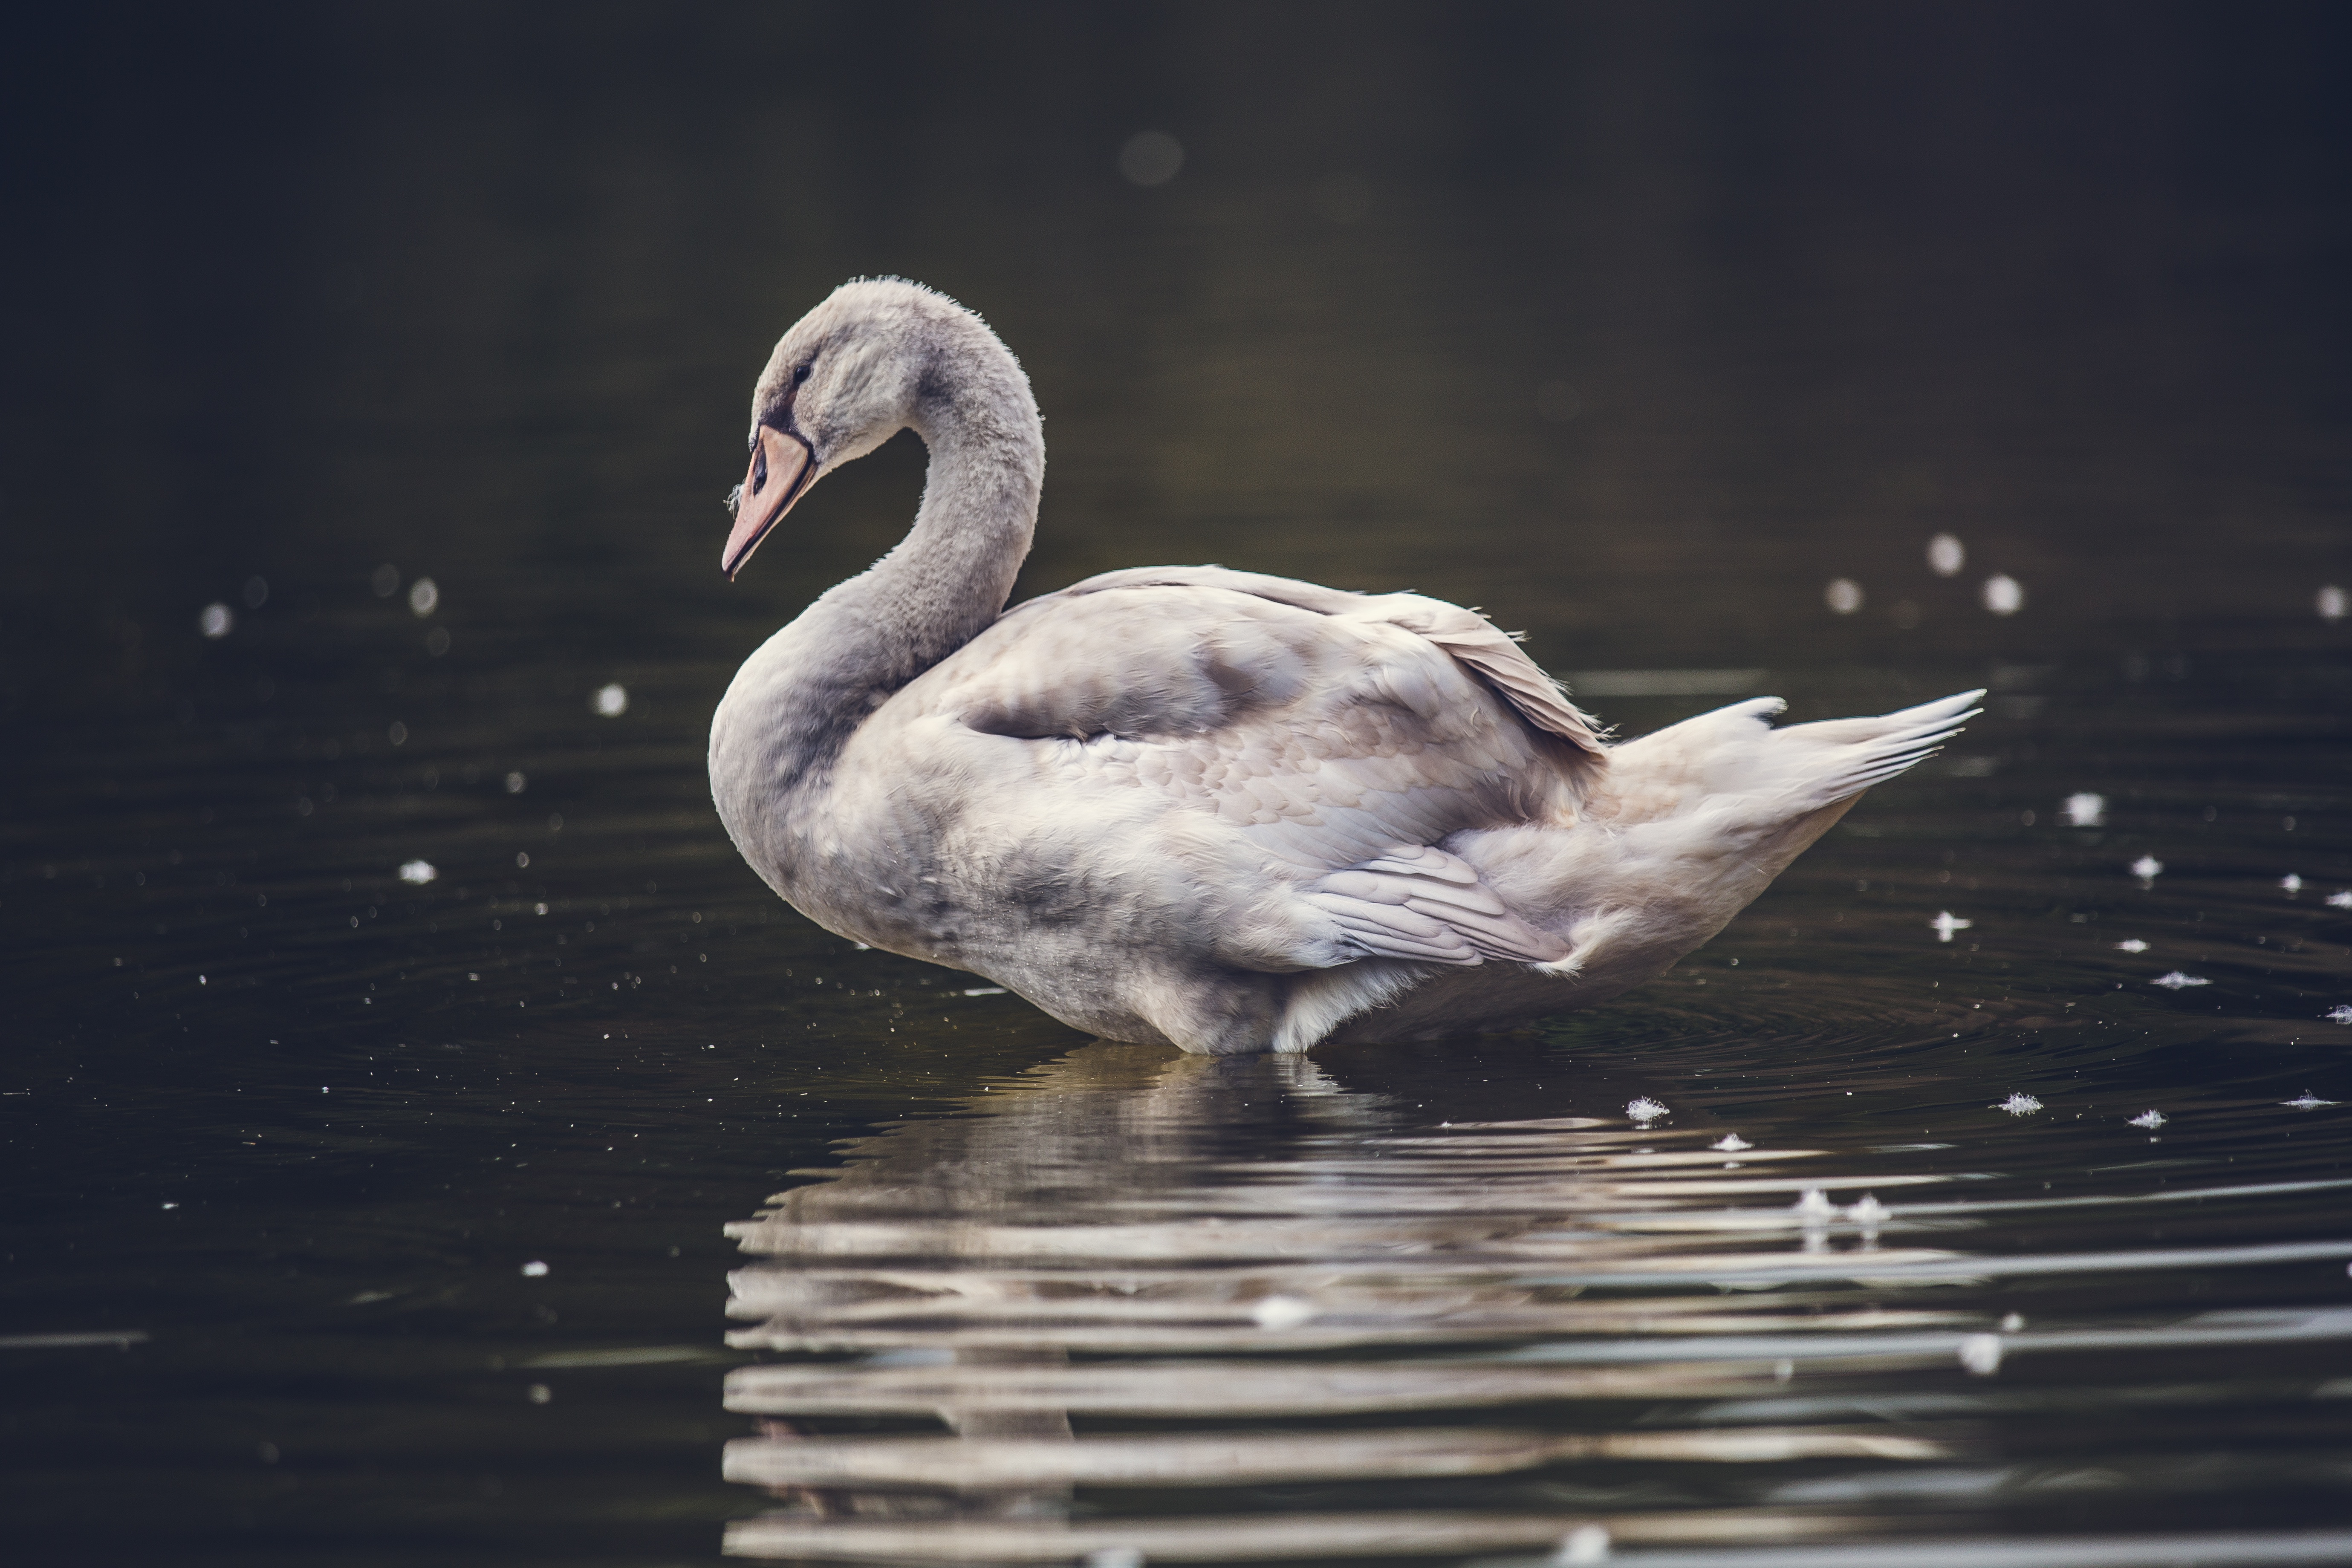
(799, 698)
(949, 577)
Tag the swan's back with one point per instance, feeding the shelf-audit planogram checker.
(1342, 725)
(1464, 634)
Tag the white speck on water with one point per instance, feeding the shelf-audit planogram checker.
(2019, 1105)
(2339, 1015)
(1946, 556)
(1980, 1354)
(398, 733)
(534, 1270)
(171, 1205)
(2342, 901)
(1946, 923)
(1869, 1211)
(384, 581)
(2148, 868)
(516, 782)
(2176, 980)
(2306, 1101)
(217, 621)
(1112, 1557)
(540, 1394)
(2330, 603)
(612, 700)
(2002, 595)
(2151, 1120)
(538, 909)
(1581, 1547)
(2084, 810)
(986, 991)
(424, 596)
(2132, 944)
(419, 872)
(2013, 1322)
(1645, 1110)
(1276, 1313)
(1813, 1205)
(1731, 1143)
(2291, 883)
(523, 859)
(1843, 595)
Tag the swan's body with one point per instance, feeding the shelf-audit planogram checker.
(1223, 811)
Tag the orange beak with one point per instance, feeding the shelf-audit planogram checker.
(781, 467)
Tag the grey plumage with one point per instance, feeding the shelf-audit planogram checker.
(1206, 807)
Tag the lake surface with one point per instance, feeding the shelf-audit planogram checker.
(582, 1203)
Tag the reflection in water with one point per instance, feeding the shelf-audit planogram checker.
(1029, 1332)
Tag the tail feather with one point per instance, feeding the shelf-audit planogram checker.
(1733, 753)
(1848, 755)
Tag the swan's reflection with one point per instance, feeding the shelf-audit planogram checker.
(1196, 1254)
(1214, 1308)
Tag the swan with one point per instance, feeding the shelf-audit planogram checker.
(1193, 807)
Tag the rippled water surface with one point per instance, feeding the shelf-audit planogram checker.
(429, 1143)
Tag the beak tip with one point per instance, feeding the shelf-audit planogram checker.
(789, 460)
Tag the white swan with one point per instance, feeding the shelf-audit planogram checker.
(1183, 804)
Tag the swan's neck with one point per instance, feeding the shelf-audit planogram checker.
(949, 577)
(797, 700)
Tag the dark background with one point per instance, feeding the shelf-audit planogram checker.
(480, 290)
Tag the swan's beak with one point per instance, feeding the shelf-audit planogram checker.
(781, 467)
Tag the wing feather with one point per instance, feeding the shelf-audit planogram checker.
(1313, 744)
(1465, 635)
(1420, 902)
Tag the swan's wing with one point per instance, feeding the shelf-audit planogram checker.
(1331, 750)
(1470, 638)
(1426, 905)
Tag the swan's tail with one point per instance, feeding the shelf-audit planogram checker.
(1733, 755)
(1836, 759)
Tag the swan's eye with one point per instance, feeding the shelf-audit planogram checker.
(802, 374)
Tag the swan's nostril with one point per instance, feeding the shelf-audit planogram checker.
(760, 470)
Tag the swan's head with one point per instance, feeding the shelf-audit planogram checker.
(849, 375)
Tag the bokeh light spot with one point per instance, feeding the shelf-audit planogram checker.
(1151, 158)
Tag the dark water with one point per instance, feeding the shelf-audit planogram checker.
(1637, 325)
